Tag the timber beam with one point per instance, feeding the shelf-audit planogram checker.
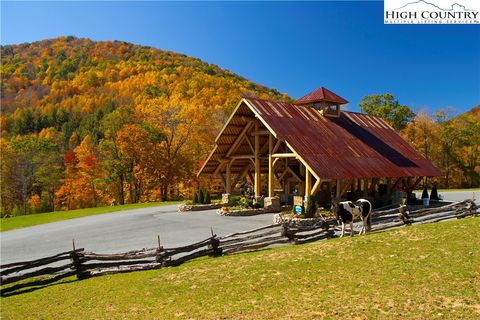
(260, 133)
(239, 139)
(315, 187)
(284, 155)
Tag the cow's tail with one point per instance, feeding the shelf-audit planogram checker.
(369, 217)
(369, 221)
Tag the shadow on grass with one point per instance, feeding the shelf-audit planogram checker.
(34, 288)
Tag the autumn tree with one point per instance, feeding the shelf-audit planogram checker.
(136, 151)
(468, 158)
(388, 108)
(113, 162)
(30, 165)
(176, 129)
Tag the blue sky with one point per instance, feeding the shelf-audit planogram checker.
(293, 47)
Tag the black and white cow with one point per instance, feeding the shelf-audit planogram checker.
(347, 211)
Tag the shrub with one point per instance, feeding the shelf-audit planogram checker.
(434, 194)
(245, 203)
(207, 197)
(201, 196)
(195, 197)
(18, 211)
(311, 207)
(259, 204)
(235, 199)
(425, 193)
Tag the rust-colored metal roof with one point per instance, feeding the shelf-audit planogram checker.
(353, 145)
(321, 94)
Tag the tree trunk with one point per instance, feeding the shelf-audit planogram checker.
(122, 196)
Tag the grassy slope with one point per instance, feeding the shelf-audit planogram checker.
(421, 272)
(40, 218)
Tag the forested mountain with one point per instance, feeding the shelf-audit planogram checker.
(89, 123)
(450, 143)
(86, 123)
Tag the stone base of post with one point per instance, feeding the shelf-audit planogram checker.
(272, 204)
(226, 198)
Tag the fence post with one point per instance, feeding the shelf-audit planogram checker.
(160, 254)
(286, 232)
(215, 243)
(404, 214)
(77, 263)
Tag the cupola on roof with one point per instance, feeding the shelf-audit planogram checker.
(321, 94)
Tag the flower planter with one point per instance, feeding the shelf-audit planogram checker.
(298, 222)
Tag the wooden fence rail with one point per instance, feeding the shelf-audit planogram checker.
(85, 264)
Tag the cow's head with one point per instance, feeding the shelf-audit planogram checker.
(334, 208)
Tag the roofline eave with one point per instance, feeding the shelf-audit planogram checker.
(259, 116)
(206, 161)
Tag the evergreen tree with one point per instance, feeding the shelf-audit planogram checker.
(195, 198)
(207, 198)
(311, 207)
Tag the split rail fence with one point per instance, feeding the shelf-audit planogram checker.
(30, 275)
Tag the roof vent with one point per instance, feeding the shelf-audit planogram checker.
(324, 100)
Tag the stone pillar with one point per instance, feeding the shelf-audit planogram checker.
(272, 204)
(226, 198)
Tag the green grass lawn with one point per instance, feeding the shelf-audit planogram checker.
(428, 271)
(40, 218)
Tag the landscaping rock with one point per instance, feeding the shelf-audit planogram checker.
(198, 207)
(242, 212)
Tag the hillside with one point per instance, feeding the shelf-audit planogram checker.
(80, 77)
(475, 111)
(87, 123)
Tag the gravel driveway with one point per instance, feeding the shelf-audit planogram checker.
(122, 231)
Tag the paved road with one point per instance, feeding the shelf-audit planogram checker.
(460, 195)
(122, 231)
(132, 229)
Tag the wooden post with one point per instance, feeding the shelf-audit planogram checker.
(215, 244)
(389, 187)
(229, 178)
(308, 182)
(270, 165)
(258, 182)
(159, 257)
(365, 187)
(77, 263)
(315, 187)
(338, 193)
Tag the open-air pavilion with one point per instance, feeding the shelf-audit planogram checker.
(311, 147)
